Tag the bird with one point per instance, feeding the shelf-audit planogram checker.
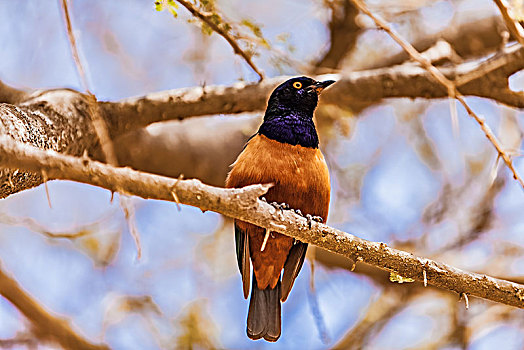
(284, 152)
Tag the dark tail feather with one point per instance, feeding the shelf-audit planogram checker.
(263, 319)
(292, 267)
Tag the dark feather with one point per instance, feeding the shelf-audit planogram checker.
(242, 246)
(263, 318)
(292, 267)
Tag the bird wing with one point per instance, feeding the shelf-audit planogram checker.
(300, 178)
(292, 267)
(242, 247)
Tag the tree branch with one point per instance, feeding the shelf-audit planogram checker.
(207, 19)
(53, 119)
(354, 90)
(511, 23)
(45, 326)
(244, 204)
(343, 34)
(450, 86)
(469, 33)
(99, 123)
(60, 119)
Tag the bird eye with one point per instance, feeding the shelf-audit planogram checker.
(297, 85)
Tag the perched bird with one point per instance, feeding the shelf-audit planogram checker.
(283, 152)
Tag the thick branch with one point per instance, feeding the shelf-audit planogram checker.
(60, 119)
(244, 204)
(355, 90)
(54, 119)
(45, 325)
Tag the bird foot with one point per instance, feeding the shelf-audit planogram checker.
(284, 206)
(279, 206)
(310, 218)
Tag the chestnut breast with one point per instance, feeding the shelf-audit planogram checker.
(299, 174)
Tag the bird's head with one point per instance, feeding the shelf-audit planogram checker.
(297, 94)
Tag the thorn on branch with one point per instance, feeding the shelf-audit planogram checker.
(85, 158)
(177, 201)
(45, 178)
(266, 237)
(173, 192)
(466, 299)
(353, 266)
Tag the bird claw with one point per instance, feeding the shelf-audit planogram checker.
(280, 206)
(318, 219)
(310, 218)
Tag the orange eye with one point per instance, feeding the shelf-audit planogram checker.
(297, 85)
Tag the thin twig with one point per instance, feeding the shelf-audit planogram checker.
(74, 50)
(513, 25)
(177, 201)
(100, 126)
(77, 231)
(44, 178)
(129, 212)
(46, 326)
(206, 18)
(441, 78)
(98, 122)
(175, 197)
(266, 237)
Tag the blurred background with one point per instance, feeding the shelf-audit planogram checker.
(401, 174)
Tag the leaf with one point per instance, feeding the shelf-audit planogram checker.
(255, 28)
(173, 12)
(206, 29)
(215, 19)
(207, 5)
(393, 277)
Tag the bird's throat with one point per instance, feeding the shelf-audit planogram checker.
(291, 129)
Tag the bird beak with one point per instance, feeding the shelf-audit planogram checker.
(321, 85)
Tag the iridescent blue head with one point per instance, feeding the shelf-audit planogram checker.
(289, 113)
